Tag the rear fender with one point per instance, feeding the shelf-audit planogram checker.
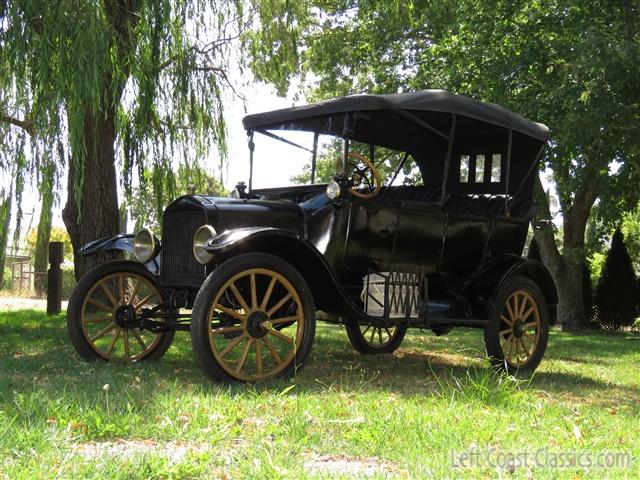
(122, 242)
(325, 287)
(482, 290)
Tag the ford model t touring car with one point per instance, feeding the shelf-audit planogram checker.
(247, 275)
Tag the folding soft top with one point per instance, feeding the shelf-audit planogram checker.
(329, 116)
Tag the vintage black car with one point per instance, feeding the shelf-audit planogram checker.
(248, 275)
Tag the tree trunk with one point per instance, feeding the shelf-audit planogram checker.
(41, 260)
(98, 215)
(5, 220)
(567, 267)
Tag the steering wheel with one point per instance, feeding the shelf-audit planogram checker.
(359, 176)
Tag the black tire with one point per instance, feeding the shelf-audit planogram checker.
(388, 339)
(78, 315)
(520, 302)
(249, 331)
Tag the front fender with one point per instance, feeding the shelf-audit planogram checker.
(122, 242)
(327, 291)
(231, 239)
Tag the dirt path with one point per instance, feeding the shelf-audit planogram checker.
(17, 303)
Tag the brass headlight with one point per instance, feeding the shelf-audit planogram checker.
(333, 190)
(200, 239)
(145, 245)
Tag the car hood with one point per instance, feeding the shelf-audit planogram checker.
(233, 213)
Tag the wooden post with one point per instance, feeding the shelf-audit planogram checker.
(54, 277)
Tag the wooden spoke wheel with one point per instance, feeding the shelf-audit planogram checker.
(370, 339)
(517, 335)
(253, 320)
(103, 317)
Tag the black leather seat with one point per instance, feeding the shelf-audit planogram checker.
(427, 194)
(488, 206)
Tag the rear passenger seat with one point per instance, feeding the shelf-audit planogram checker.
(427, 194)
(460, 204)
(488, 206)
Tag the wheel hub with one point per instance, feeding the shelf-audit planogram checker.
(126, 317)
(258, 324)
(518, 328)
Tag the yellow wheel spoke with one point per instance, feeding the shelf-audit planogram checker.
(139, 339)
(126, 344)
(506, 320)
(245, 353)
(515, 308)
(123, 298)
(526, 314)
(97, 319)
(532, 324)
(272, 349)
(239, 297)
(509, 355)
(231, 312)
(112, 299)
(258, 358)
(144, 301)
(525, 350)
(232, 345)
(254, 293)
(278, 321)
(113, 342)
(277, 306)
(134, 292)
(223, 330)
(380, 335)
(267, 295)
(506, 330)
(533, 339)
(281, 336)
(103, 332)
(100, 305)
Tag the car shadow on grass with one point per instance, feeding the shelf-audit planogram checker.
(37, 355)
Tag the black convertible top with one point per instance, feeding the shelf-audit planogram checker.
(313, 117)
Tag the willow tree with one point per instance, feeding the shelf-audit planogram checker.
(105, 86)
(562, 62)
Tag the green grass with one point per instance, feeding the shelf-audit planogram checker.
(344, 415)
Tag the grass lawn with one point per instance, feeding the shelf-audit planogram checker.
(345, 415)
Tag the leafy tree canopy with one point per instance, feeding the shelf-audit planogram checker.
(58, 234)
(560, 62)
(146, 206)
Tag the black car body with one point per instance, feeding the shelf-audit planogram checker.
(441, 254)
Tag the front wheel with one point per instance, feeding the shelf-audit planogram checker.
(517, 334)
(103, 314)
(372, 340)
(253, 319)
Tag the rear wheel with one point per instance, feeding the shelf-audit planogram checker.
(253, 320)
(370, 339)
(516, 337)
(104, 309)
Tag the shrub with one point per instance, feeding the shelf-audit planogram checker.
(615, 295)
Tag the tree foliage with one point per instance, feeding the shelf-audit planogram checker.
(559, 62)
(615, 295)
(146, 206)
(57, 234)
(5, 219)
(107, 83)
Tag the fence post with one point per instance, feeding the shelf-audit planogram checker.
(54, 278)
